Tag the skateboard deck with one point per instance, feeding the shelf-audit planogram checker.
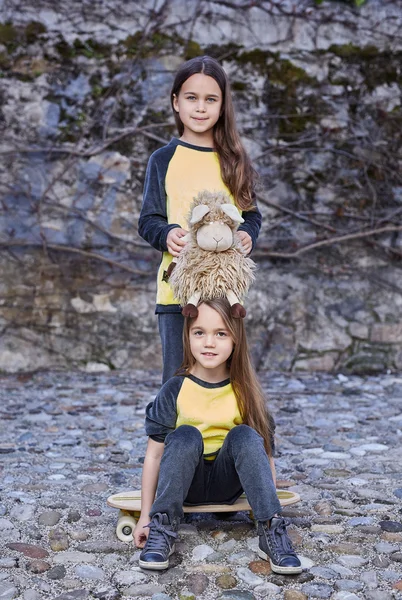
(129, 504)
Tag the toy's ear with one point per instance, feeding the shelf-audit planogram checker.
(232, 212)
(198, 213)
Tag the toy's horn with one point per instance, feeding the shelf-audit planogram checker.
(198, 213)
(232, 212)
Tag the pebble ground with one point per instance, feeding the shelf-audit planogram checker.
(69, 440)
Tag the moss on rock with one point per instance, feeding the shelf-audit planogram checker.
(34, 31)
(8, 35)
(377, 68)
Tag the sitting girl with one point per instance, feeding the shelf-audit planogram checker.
(210, 439)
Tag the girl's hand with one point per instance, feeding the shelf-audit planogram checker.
(175, 242)
(141, 532)
(246, 241)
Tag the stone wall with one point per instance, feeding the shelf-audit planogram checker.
(84, 92)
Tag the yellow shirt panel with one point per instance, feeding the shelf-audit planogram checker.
(213, 411)
(190, 171)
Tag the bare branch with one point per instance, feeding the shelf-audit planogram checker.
(328, 242)
(71, 249)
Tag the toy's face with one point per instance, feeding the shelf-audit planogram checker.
(215, 237)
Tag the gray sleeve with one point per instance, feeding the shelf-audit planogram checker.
(153, 223)
(252, 222)
(161, 414)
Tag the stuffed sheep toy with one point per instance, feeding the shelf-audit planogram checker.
(212, 264)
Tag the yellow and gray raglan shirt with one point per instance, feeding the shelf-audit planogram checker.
(186, 400)
(175, 174)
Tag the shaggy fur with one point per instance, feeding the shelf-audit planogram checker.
(211, 273)
(213, 200)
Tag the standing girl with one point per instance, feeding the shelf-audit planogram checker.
(208, 155)
(210, 439)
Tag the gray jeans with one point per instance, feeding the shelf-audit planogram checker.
(241, 465)
(171, 333)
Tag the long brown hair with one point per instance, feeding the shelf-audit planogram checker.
(249, 395)
(236, 169)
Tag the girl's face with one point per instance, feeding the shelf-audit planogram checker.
(199, 104)
(211, 345)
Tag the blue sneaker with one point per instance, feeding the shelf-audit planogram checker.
(159, 545)
(275, 546)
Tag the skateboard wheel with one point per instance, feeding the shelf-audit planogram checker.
(125, 528)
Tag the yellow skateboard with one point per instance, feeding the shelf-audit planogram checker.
(129, 504)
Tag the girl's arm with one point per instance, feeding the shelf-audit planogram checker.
(152, 224)
(273, 469)
(150, 474)
(251, 226)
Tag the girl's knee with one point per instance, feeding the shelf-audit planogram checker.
(243, 434)
(186, 436)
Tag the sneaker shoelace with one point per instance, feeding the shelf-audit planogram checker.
(157, 542)
(285, 545)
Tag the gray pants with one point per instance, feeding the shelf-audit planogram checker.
(241, 465)
(171, 333)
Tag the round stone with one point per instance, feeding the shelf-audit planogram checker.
(6, 525)
(122, 578)
(197, 583)
(8, 562)
(306, 562)
(396, 557)
(31, 595)
(382, 562)
(201, 552)
(8, 591)
(79, 535)
(57, 572)
(348, 585)
(29, 550)
(355, 521)
(323, 508)
(58, 540)
(236, 595)
(377, 595)
(370, 579)
(226, 581)
(267, 589)
(294, 595)
(215, 557)
(89, 572)
(49, 518)
(38, 566)
(241, 558)
(108, 593)
(352, 561)
(22, 513)
(73, 516)
(317, 590)
(76, 594)
(186, 595)
(324, 573)
(392, 526)
(386, 548)
(260, 567)
(248, 577)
